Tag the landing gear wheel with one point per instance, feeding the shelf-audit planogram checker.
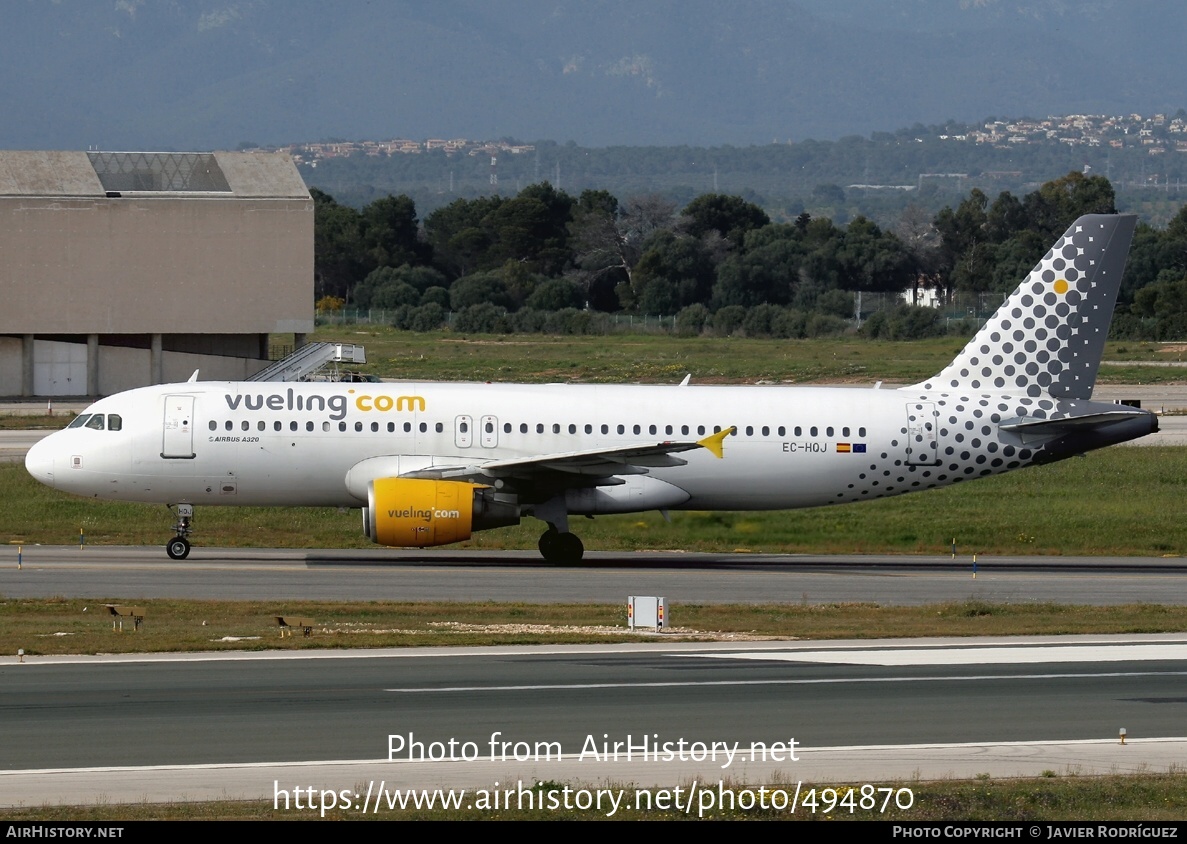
(178, 548)
(547, 545)
(561, 548)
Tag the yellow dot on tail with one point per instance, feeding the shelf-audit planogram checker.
(1060, 285)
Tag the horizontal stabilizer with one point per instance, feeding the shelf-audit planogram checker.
(1031, 429)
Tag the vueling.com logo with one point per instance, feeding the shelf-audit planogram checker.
(336, 403)
(426, 515)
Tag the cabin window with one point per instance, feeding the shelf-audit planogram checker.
(276, 425)
(684, 430)
(261, 425)
(605, 429)
(229, 425)
(424, 427)
(245, 425)
(589, 429)
(621, 429)
(506, 427)
(309, 426)
(407, 427)
(293, 426)
(766, 431)
(325, 426)
(358, 427)
(572, 429)
(341, 426)
(812, 430)
(667, 429)
(845, 432)
(523, 427)
(463, 427)
(637, 429)
(439, 427)
(782, 431)
(374, 427)
(829, 431)
(861, 432)
(749, 431)
(651, 429)
(556, 429)
(391, 427)
(213, 424)
(701, 430)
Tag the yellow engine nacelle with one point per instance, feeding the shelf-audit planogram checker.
(413, 513)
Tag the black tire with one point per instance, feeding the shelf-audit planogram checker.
(548, 545)
(570, 549)
(178, 548)
(561, 548)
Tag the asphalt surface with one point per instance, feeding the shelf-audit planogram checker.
(80, 729)
(131, 573)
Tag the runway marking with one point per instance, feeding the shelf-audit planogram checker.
(819, 681)
(975, 655)
(440, 763)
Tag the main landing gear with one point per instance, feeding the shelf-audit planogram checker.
(560, 548)
(178, 548)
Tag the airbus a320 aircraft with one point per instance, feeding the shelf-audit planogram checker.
(430, 463)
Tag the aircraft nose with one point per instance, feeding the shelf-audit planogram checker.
(39, 461)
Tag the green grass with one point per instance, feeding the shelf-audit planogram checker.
(1144, 797)
(666, 359)
(1125, 501)
(35, 422)
(637, 358)
(45, 626)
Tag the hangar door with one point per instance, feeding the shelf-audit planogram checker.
(59, 369)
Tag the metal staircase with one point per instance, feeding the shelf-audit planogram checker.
(307, 362)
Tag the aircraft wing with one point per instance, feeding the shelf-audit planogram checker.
(582, 466)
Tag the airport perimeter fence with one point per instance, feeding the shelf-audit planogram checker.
(613, 323)
(958, 309)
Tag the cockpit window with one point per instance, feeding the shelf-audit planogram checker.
(79, 421)
(96, 422)
(115, 422)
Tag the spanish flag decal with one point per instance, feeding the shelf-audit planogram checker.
(843, 448)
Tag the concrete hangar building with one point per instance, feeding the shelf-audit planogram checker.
(121, 269)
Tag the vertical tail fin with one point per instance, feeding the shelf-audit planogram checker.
(1049, 335)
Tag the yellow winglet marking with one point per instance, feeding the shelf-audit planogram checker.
(713, 441)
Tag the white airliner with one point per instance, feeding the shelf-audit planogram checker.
(430, 463)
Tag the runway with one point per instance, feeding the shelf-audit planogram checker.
(78, 729)
(385, 574)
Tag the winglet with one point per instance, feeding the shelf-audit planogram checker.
(194, 377)
(713, 441)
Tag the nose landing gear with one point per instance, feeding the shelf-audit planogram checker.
(178, 548)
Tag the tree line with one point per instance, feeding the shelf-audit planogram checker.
(719, 263)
